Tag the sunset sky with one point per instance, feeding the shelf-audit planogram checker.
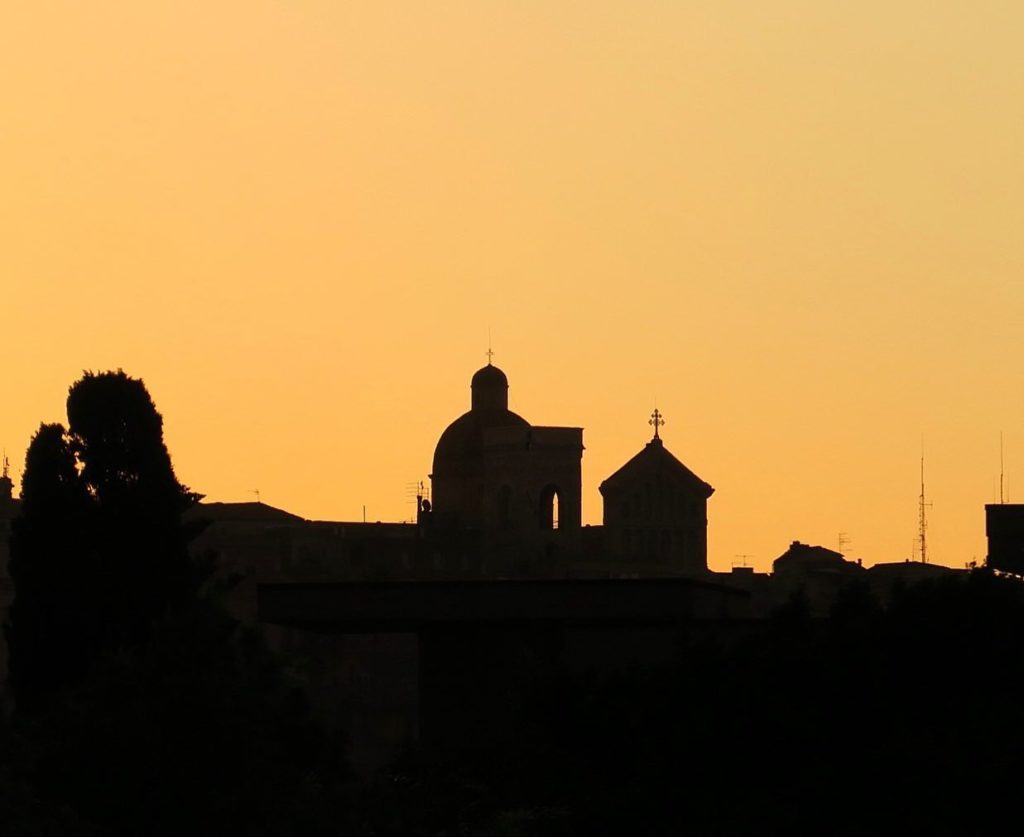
(796, 227)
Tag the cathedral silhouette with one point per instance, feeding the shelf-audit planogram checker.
(505, 502)
(516, 490)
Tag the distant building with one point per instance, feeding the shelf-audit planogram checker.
(818, 574)
(514, 485)
(888, 577)
(802, 560)
(1004, 526)
(655, 511)
(814, 572)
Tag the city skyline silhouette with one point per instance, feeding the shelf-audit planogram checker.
(520, 418)
(492, 665)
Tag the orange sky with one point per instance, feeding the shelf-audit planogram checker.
(795, 226)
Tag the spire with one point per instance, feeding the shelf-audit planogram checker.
(656, 422)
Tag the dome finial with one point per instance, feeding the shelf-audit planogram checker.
(657, 420)
(490, 352)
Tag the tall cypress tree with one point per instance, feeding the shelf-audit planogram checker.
(51, 625)
(142, 561)
(99, 551)
(148, 709)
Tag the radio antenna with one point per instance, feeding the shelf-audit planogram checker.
(1002, 498)
(922, 519)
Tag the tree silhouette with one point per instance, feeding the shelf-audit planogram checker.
(50, 629)
(99, 551)
(143, 707)
(116, 434)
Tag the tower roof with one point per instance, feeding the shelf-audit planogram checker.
(654, 459)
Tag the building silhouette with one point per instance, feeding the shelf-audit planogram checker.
(515, 487)
(655, 512)
(1004, 527)
(505, 503)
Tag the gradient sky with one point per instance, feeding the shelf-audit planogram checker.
(797, 227)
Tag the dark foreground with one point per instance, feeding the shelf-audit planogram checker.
(906, 717)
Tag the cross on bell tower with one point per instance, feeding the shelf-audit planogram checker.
(656, 422)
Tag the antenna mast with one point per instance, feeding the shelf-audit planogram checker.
(1001, 496)
(922, 516)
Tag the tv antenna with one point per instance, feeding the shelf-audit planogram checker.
(844, 541)
(743, 560)
(7, 466)
(416, 492)
(256, 491)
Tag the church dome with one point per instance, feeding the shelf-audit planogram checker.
(490, 389)
(489, 375)
(461, 444)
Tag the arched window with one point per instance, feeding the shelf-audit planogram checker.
(549, 503)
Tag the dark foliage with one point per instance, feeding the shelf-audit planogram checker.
(879, 719)
(199, 733)
(99, 551)
(142, 706)
(53, 625)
